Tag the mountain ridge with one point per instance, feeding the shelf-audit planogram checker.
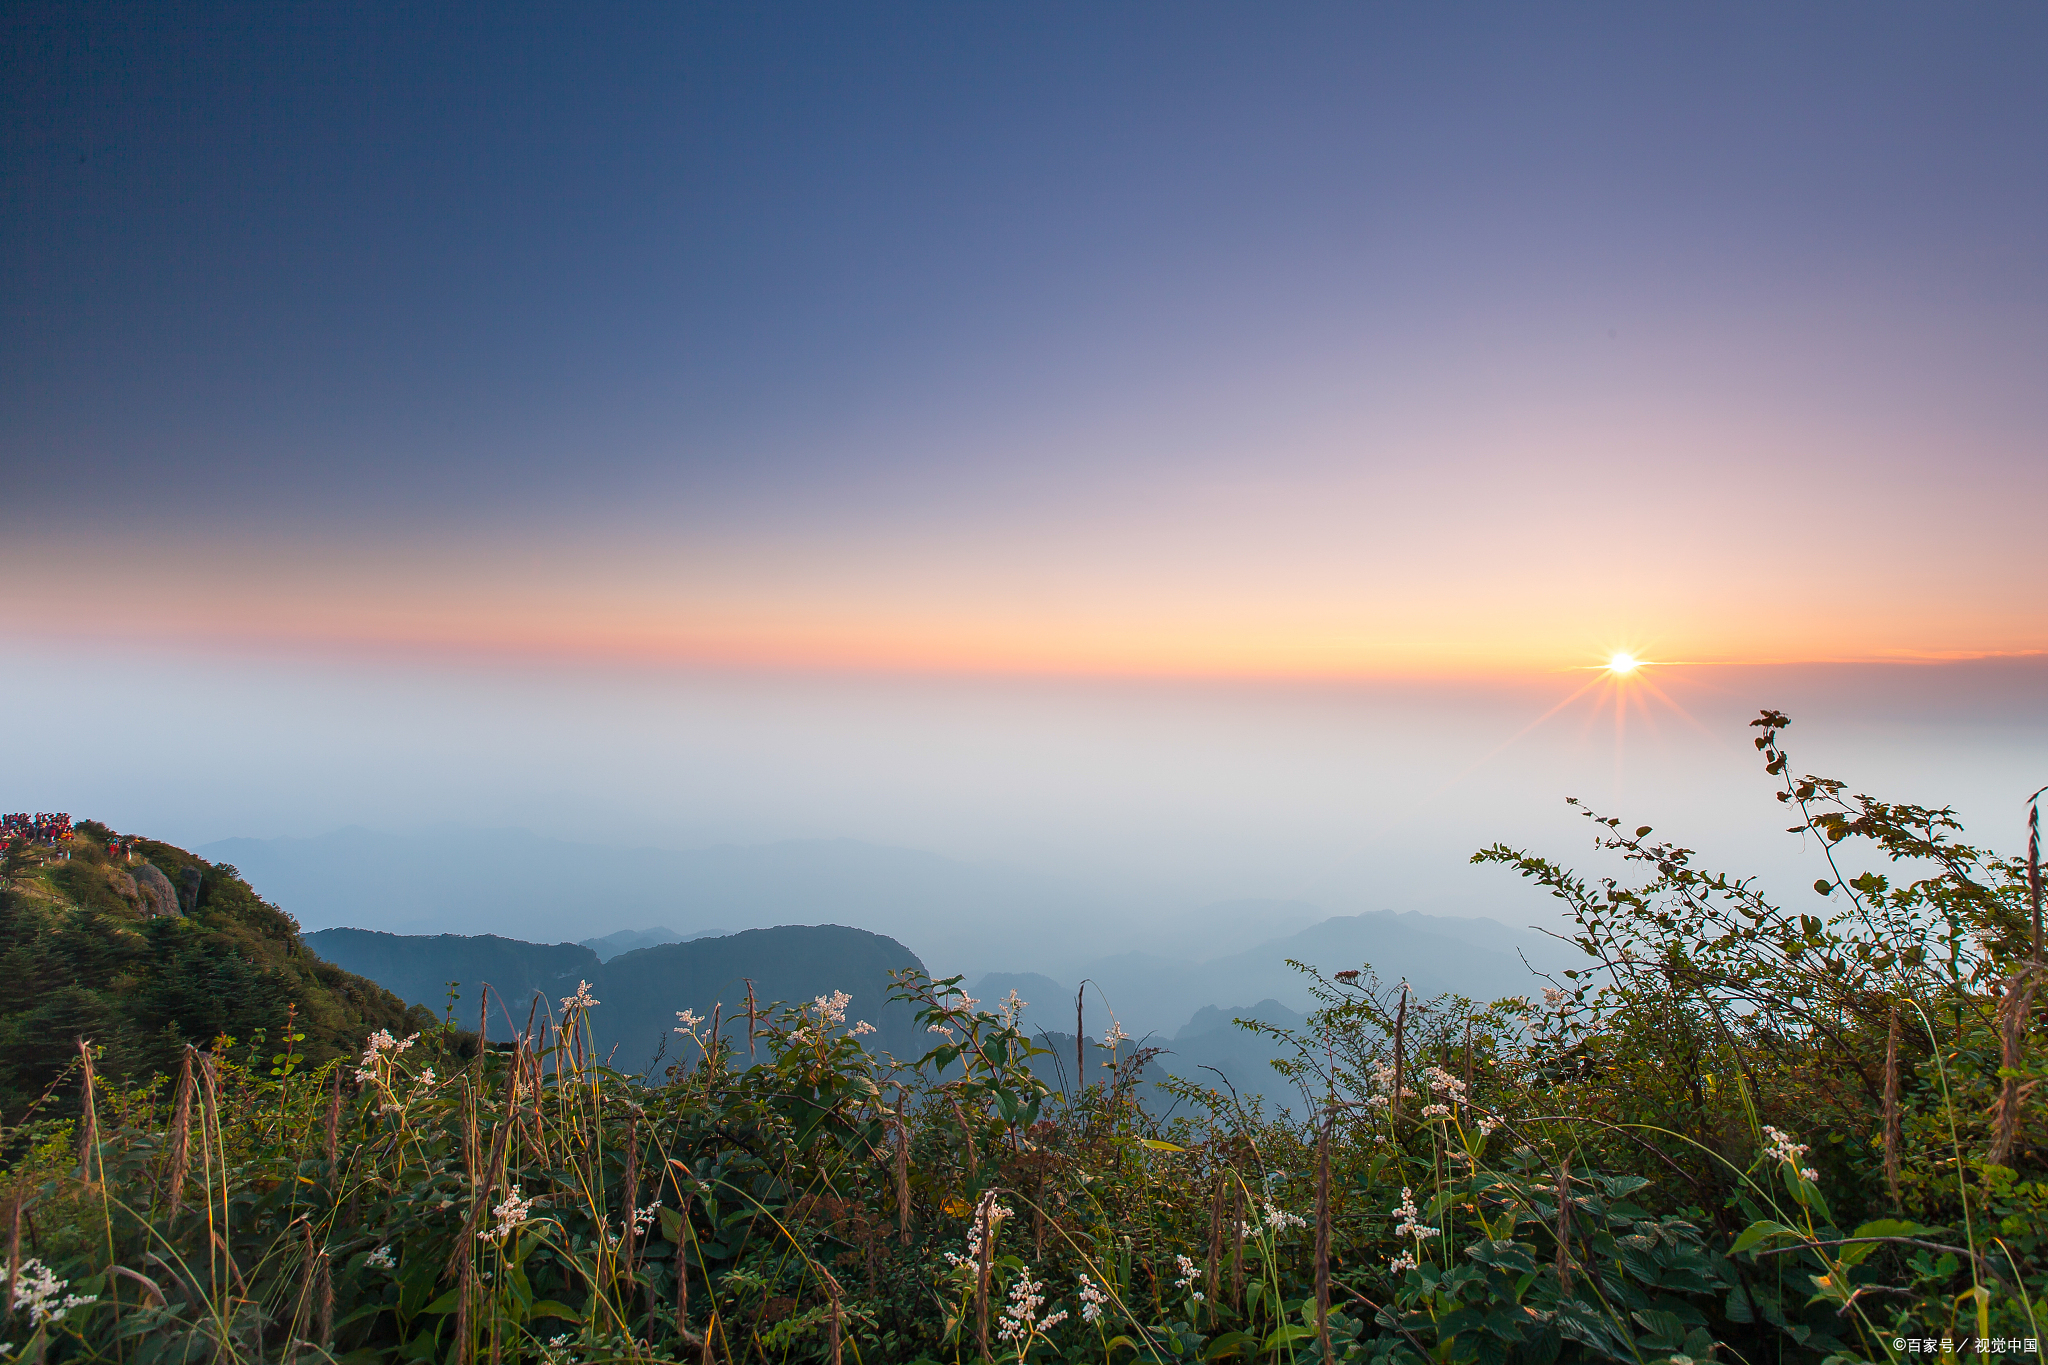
(640, 992)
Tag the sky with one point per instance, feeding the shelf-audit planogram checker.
(1149, 441)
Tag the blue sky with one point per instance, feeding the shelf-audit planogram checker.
(443, 385)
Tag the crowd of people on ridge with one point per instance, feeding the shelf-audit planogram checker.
(42, 828)
(52, 829)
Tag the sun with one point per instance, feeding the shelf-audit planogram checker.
(1620, 662)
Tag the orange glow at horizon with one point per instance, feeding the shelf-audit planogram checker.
(920, 609)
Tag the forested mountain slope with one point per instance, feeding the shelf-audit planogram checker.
(641, 991)
(148, 949)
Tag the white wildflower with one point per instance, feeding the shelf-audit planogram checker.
(582, 1000)
(1187, 1272)
(379, 1043)
(1781, 1147)
(1279, 1220)
(940, 1028)
(1013, 1008)
(643, 1219)
(41, 1294)
(1092, 1299)
(864, 1027)
(380, 1259)
(688, 1019)
(1115, 1036)
(511, 1215)
(988, 1215)
(1444, 1083)
(1405, 1261)
(832, 1008)
(1411, 1224)
(1020, 1321)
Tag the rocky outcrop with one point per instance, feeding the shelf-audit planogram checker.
(155, 892)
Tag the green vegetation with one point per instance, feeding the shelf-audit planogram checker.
(1740, 1132)
(84, 958)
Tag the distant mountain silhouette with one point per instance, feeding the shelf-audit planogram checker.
(1478, 958)
(1211, 1049)
(641, 991)
(418, 969)
(508, 881)
(626, 940)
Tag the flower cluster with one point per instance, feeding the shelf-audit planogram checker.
(1383, 1088)
(380, 1259)
(831, 1012)
(687, 1021)
(1411, 1224)
(1274, 1221)
(989, 1216)
(1188, 1274)
(1013, 1010)
(1781, 1147)
(381, 1042)
(1445, 1084)
(1092, 1299)
(582, 1000)
(643, 1219)
(41, 1294)
(1020, 1320)
(511, 1215)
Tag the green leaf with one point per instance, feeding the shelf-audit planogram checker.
(1890, 1227)
(1286, 1336)
(1227, 1345)
(1760, 1232)
(1666, 1329)
(1158, 1146)
(550, 1308)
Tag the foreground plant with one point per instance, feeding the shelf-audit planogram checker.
(1737, 1132)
